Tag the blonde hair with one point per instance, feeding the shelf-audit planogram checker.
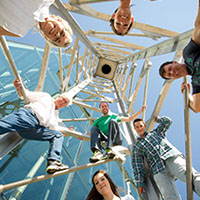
(66, 27)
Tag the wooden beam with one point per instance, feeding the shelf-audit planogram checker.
(132, 78)
(115, 40)
(44, 67)
(78, 103)
(128, 34)
(145, 90)
(112, 53)
(66, 81)
(154, 29)
(60, 67)
(133, 97)
(119, 50)
(131, 72)
(113, 45)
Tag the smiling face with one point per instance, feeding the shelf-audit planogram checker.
(104, 108)
(54, 30)
(140, 127)
(102, 184)
(122, 20)
(174, 71)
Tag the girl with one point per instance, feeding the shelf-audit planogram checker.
(104, 188)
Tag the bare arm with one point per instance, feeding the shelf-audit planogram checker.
(196, 32)
(134, 116)
(194, 100)
(5, 32)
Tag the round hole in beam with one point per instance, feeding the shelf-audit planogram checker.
(106, 69)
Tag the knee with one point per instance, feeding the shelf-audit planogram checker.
(112, 121)
(94, 130)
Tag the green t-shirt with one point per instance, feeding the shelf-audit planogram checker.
(103, 122)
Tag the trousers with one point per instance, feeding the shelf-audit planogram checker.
(113, 138)
(175, 169)
(28, 127)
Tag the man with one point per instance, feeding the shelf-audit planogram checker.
(35, 122)
(191, 53)
(122, 19)
(107, 129)
(17, 17)
(166, 163)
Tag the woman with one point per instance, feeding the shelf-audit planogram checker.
(104, 188)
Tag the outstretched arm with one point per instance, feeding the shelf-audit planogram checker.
(5, 32)
(194, 100)
(196, 32)
(164, 124)
(134, 116)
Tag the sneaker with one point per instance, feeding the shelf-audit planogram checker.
(110, 154)
(55, 166)
(97, 155)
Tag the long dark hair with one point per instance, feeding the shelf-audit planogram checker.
(94, 194)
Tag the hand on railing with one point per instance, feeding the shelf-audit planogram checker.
(184, 86)
(18, 85)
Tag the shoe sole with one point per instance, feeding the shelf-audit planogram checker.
(96, 160)
(53, 170)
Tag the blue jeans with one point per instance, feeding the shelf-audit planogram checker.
(27, 125)
(175, 169)
(113, 138)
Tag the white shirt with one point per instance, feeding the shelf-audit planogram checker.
(128, 197)
(18, 16)
(42, 104)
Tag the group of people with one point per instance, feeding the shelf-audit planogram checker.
(166, 163)
(38, 119)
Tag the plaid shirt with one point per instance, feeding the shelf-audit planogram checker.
(155, 148)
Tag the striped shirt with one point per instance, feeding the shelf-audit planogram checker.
(155, 148)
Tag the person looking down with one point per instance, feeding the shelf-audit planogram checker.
(18, 16)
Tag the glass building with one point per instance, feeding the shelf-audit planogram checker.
(28, 159)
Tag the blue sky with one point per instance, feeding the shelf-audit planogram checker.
(177, 16)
